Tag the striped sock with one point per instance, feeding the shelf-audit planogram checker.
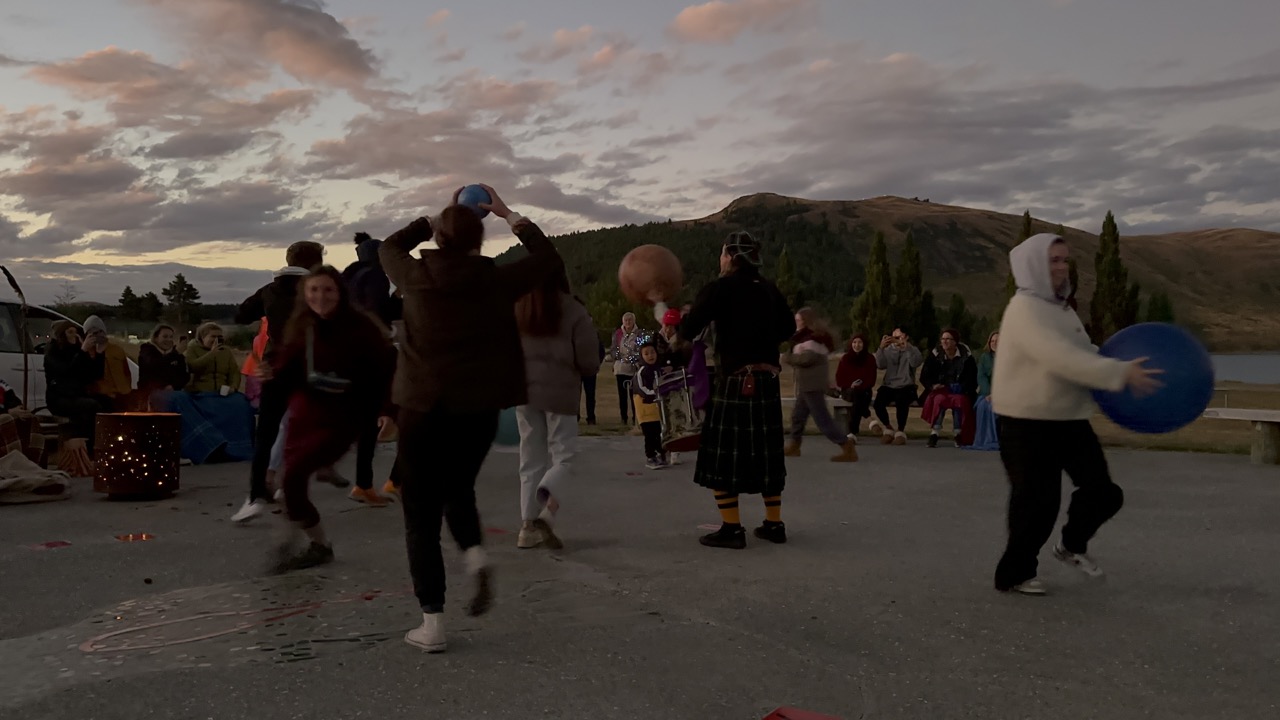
(728, 504)
(773, 509)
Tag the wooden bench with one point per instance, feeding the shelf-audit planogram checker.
(839, 408)
(1266, 431)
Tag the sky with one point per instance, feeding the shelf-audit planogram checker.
(141, 138)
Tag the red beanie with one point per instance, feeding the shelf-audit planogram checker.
(671, 317)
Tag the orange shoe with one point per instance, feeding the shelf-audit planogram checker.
(390, 488)
(368, 497)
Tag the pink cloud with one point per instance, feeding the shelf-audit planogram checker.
(564, 42)
(721, 21)
(245, 35)
(438, 18)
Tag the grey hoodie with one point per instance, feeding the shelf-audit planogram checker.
(899, 365)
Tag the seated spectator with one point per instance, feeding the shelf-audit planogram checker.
(116, 382)
(985, 437)
(217, 419)
(950, 378)
(899, 359)
(71, 366)
(161, 368)
(856, 377)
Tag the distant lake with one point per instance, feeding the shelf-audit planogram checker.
(1257, 368)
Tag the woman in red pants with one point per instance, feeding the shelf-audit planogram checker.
(336, 365)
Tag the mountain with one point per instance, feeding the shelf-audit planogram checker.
(1224, 283)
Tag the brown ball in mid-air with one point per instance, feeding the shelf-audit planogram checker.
(650, 268)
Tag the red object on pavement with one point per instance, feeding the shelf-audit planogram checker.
(790, 713)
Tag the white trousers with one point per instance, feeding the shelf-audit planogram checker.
(548, 444)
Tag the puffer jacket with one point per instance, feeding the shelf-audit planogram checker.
(556, 364)
(960, 370)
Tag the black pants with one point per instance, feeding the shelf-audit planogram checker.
(82, 416)
(589, 393)
(903, 398)
(861, 400)
(624, 396)
(1035, 453)
(652, 439)
(440, 454)
(366, 446)
(272, 404)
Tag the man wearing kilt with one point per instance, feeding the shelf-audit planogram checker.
(742, 435)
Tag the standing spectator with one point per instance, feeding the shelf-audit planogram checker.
(626, 361)
(589, 379)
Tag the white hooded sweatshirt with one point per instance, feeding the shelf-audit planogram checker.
(1046, 366)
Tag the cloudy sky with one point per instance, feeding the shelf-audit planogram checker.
(139, 138)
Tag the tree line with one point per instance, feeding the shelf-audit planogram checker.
(899, 298)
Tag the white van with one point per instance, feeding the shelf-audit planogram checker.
(40, 322)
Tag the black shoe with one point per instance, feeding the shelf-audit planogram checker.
(933, 441)
(729, 536)
(774, 532)
(315, 554)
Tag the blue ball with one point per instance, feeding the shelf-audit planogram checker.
(472, 196)
(1188, 379)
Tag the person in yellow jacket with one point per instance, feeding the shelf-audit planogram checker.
(116, 382)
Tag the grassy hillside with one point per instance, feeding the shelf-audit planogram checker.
(1223, 283)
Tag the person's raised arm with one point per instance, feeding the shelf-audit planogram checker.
(401, 268)
(522, 276)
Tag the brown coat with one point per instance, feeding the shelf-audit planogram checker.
(461, 348)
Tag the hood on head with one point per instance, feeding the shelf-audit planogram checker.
(367, 251)
(1030, 264)
(859, 336)
(290, 270)
(58, 330)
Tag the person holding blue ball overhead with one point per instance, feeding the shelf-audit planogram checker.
(461, 364)
(1041, 392)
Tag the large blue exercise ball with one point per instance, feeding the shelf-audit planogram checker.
(471, 196)
(1187, 378)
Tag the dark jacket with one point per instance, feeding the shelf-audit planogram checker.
(751, 319)
(158, 370)
(369, 286)
(960, 370)
(461, 348)
(274, 301)
(349, 346)
(69, 371)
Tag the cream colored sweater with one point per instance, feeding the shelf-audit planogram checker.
(1046, 366)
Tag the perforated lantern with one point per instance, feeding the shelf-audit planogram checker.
(137, 454)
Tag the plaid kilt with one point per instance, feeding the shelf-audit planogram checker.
(742, 438)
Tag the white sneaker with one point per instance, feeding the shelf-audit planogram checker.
(428, 636)
(1030, 587)
(530, 537)
(250, 510)
(279, 496)
(674, 458)
(1083, 563)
